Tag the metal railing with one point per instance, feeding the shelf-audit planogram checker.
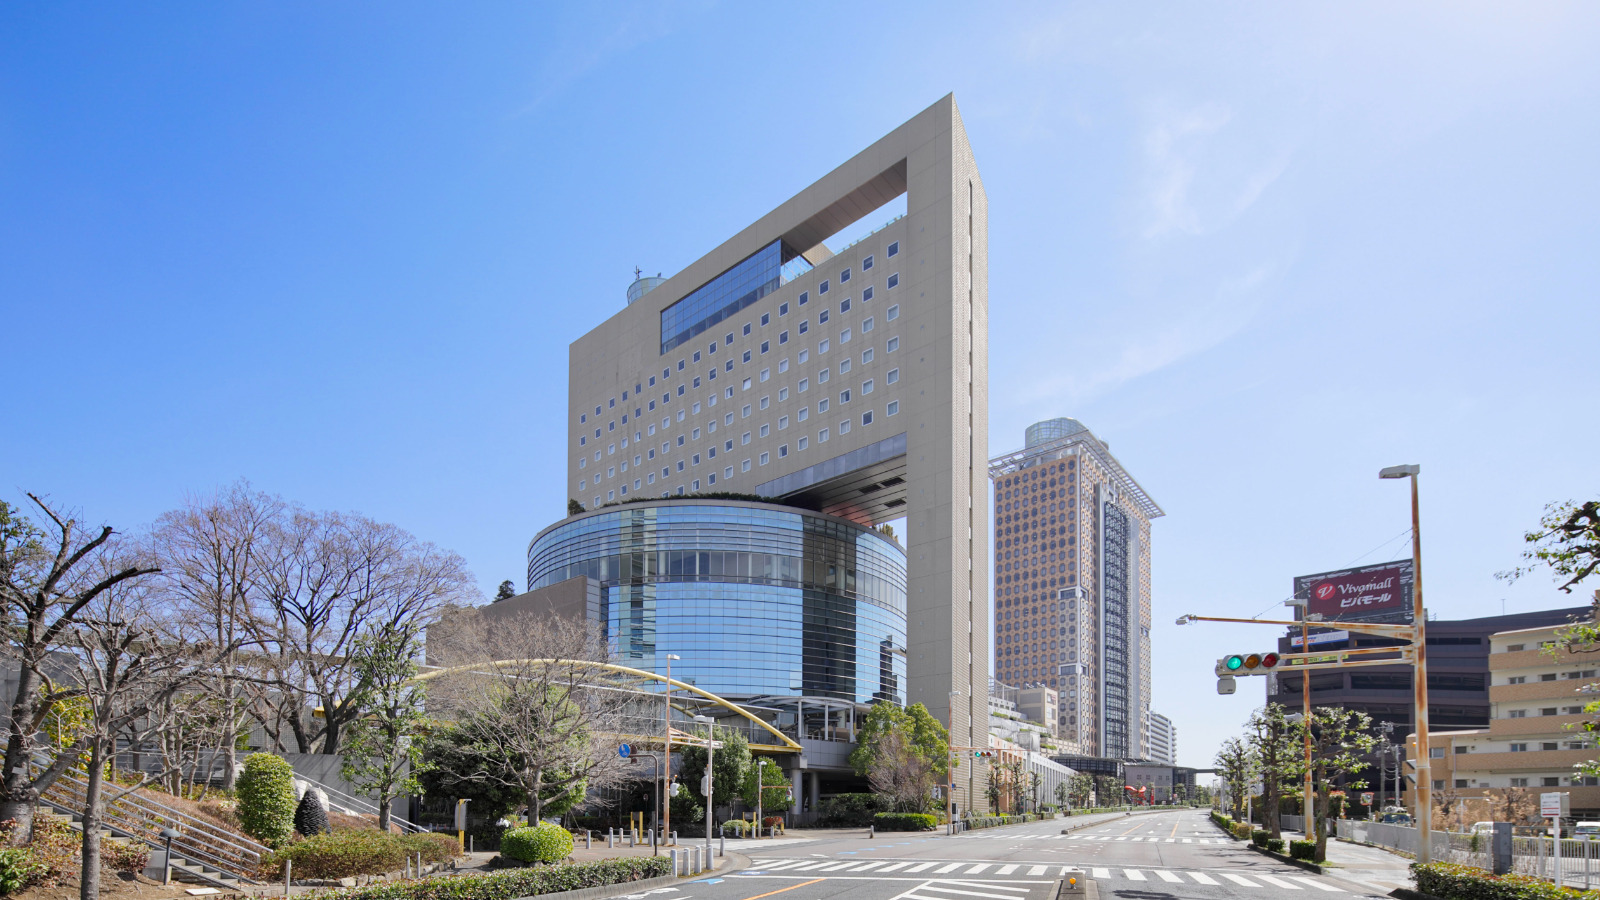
(141, 818)
(358, 806)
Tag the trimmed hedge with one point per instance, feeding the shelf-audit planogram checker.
(1457, 882)
(1275, 844)
(1303, 850)
(848, 810)
(544, 842)
(266, 799)
(358, 851)
(1259, 837)
(1242, 830)
(890, 821)
(512, 883)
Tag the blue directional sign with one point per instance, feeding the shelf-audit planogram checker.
(624, 751)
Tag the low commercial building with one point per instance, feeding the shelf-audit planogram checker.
(1534, 737)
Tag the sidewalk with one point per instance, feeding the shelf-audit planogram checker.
(1372, 866)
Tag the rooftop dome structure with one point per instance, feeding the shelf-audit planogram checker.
(1053, 430)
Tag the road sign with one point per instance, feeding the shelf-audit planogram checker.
(1366, 798)
(1554, 805)
(1226, 684)
(624, 751)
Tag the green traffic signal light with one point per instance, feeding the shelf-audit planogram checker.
(1235, 663)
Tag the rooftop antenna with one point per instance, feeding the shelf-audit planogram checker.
(637, 272)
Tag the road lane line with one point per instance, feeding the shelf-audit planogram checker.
(1175, 825)
(1005, 870)
(1203, 878)
(789, 888)
(1169, 877)
(1277, 881)
(1317, 884)
(1134, 875)
(1239, 880)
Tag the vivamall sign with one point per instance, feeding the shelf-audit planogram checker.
(1381, 591)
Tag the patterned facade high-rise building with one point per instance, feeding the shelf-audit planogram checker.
(1072, 584)
(1163, 744)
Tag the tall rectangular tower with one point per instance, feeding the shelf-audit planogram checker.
(1072, 584)
(852, 382)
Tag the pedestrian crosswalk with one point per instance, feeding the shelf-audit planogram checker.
(942, 870)
(906, 867)
(1131, 838)
(1215, 878)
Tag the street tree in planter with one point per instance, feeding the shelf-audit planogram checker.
(383, 748)
(1340, 739)
(729, 767)
(1237, 768)
(903, 753)
(1279, 758)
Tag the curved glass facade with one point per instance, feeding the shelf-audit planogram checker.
(757, 599)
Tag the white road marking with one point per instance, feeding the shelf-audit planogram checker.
(1005, 870)
(1101, 873)
(865, 866)
(1169, 877)
(1134, 875)
(1203, 878)
(922, 867)
(837, 866)
(980, 867)
(1317, 884)
(1239, 880)
(950, 868)
(899, 865)
(1036, 870)
(1277, 881)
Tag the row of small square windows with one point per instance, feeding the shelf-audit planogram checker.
(867, 387)
(783, 338)
(893, 408)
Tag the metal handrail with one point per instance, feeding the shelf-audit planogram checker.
(357, 803)
(174, 816)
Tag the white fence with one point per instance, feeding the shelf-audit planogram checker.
(1574, 863)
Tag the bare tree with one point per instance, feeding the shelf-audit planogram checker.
(543, 719)
(47, 579)
(211, 553)
(1516, 805)
(331, 578)
(129, 664)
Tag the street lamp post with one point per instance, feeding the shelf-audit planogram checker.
(1419, 677)
(664, 809)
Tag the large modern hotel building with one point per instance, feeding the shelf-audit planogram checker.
(1072, 585)
(849, 382)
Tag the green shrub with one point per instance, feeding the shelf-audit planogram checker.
(1275, 844)
(513, 883)
(120, 856)
(1303, 849)
(1241, 830)
(739, 827)
(1458, 882)
(266, 799)
(891, 821)
(358, 851)
(851, 810)
(1259, 837)
(46, 860)
(18, 870)
(543, 842)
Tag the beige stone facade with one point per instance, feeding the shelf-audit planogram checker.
(856, 385)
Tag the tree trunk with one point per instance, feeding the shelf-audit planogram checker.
(17, 796)
(385, 803)
(89, 877)
(1319, 809)
(536, 803)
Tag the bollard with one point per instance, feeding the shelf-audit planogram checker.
(674, 839)
(631, 835)
(722, 845)
(610, 832)
(872, 831)
(587, 835)
(288, 875)
(471, 844)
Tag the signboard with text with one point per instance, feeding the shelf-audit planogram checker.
(1554, 805)
(1381, 591)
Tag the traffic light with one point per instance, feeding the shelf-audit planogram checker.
(983, 754)
(1246, 663)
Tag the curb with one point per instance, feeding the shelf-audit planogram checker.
(608, 890)
(1280, 857)
(1409, 894)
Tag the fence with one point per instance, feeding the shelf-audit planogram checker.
(1574, 863)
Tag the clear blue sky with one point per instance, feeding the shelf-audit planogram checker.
(340, 250)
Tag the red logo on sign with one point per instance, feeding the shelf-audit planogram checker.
(1325, 591)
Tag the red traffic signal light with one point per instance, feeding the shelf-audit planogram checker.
(1268, 660)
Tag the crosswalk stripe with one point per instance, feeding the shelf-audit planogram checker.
(950, 868)
(865, 866)
(980, 867)
(1316, 884)
(837, 866)
(1134, 875)
(816, 865)
(1277, 881)
(780, 865)
(1101, 873)
(1203, 878)
(1169, 877)
(1005, 870)
(1239, 880)
(899, 865)
(1036, 870)
(922, 867)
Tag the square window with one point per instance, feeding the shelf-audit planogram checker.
(805, 325)
(783, 394)
(822, 288)
(783, 364)
(766, 430)
(728, 339)
(652, 406)
(894, 407)
(866, 325)
(765, 457)
(844, 336)
(680, 365)
(893, 345)
(844, 306)
(894, 312)
(680, 440)
(844, 276)
(894, 281)
(744, 466)
(783, 450)
(727, 446)
(801, 444)
(745, 413)
(803, 414)
(696, 382)
(822, 377)
(804, 297)
(893, 376)
(611, 495)
(866, 294)
(583, 461)
(822, 346)
(695, 434)
(711, 347)
(844, 366)
(745, 439)
(866, 264)
(728, 472)
(727, 419)
(804, 384)
(765, 374)
(804, 355)
(697, 356)
(745, 357)
(765, 346)
(783, 422)
(783, 309)
(680, 390)
(747, 329)
(866, 356)
(844, 428)
(583, 419)
(765, 402)
(783, 337)
(866, 386)
(765, 318)
(822, 405)
(822, 318)
(844, 397)
(583, 439)
(894, 248)
(866, 417)
(746, 385)
(727, 366)
(822, 436)
(680, 465)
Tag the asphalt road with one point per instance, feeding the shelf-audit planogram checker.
(1161, 856)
